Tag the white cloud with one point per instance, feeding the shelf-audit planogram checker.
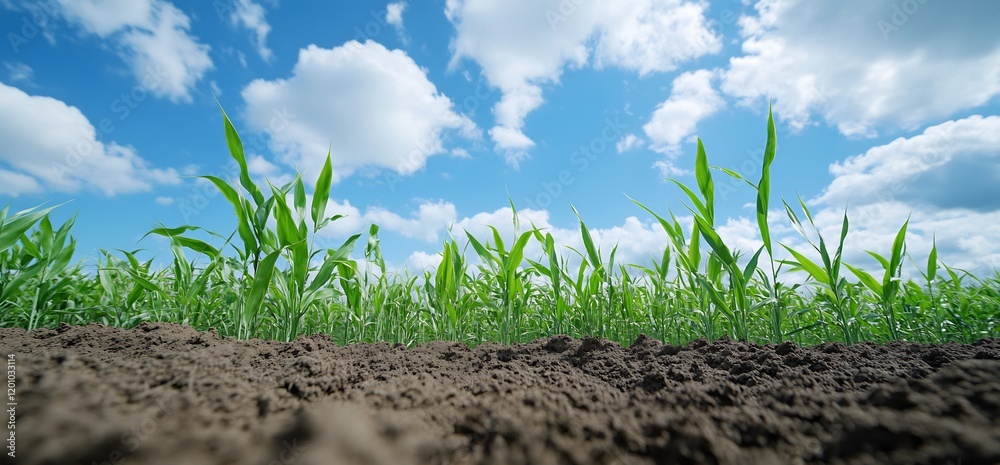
(425, 224)
(51, 145)
(524, 44)
(629, 142)
(668, 169)
(152, 37)
(107, 17)
(955, 164)
(394, 14)
(653, 35)
(19, 72)
(430, 219)
(835, 62)
(262, 171)
(946, 180)
(420, 261)
(17, 183)
(164, 200)
(691, 100)
(252, 16)
(375, 106)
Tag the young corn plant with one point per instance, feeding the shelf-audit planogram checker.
(286, 294)
(121, 308)
(888, 289)
(553, 270)
(776, 306)
(693, 298)
(735, 306)
(508, 297)
(834, 287)
(446, 293)
(38, 263)
(594, 292)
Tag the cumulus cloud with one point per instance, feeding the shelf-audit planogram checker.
(629, 142)
(425, 224)
(945, 180)
(252, 16)
(394, 14)
(263, 171)
(19, 72)
(692, 99)
(524, 44)
(863, 66)
(153, 38)
(49, 145)
(955, 164)
(375, 106)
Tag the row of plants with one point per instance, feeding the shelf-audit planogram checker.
(269, 279)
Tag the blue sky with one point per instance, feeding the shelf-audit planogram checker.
(437, 111)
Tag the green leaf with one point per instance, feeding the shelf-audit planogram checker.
(867, 279)
(198, 246)
(236, 151)
(288, 232)
(13, 227)
(261, 281)
(345, 249)
(698, 204)
(898, 246)
(705, 183)
(764, 186)
(484, 254)
(751, 266)
(809, 266)
(517, 252)
(299, 196)
(588, 242)
(735, 175)
(932, 261)
(714, 241)
(321, 195)
(882, 260)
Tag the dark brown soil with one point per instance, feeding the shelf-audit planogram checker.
(166, 394)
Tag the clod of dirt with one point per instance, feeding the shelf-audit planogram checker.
(164, 393)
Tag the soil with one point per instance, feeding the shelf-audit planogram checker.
(165, 394)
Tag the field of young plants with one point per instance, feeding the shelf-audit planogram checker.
(245, 348)
(266, 279)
